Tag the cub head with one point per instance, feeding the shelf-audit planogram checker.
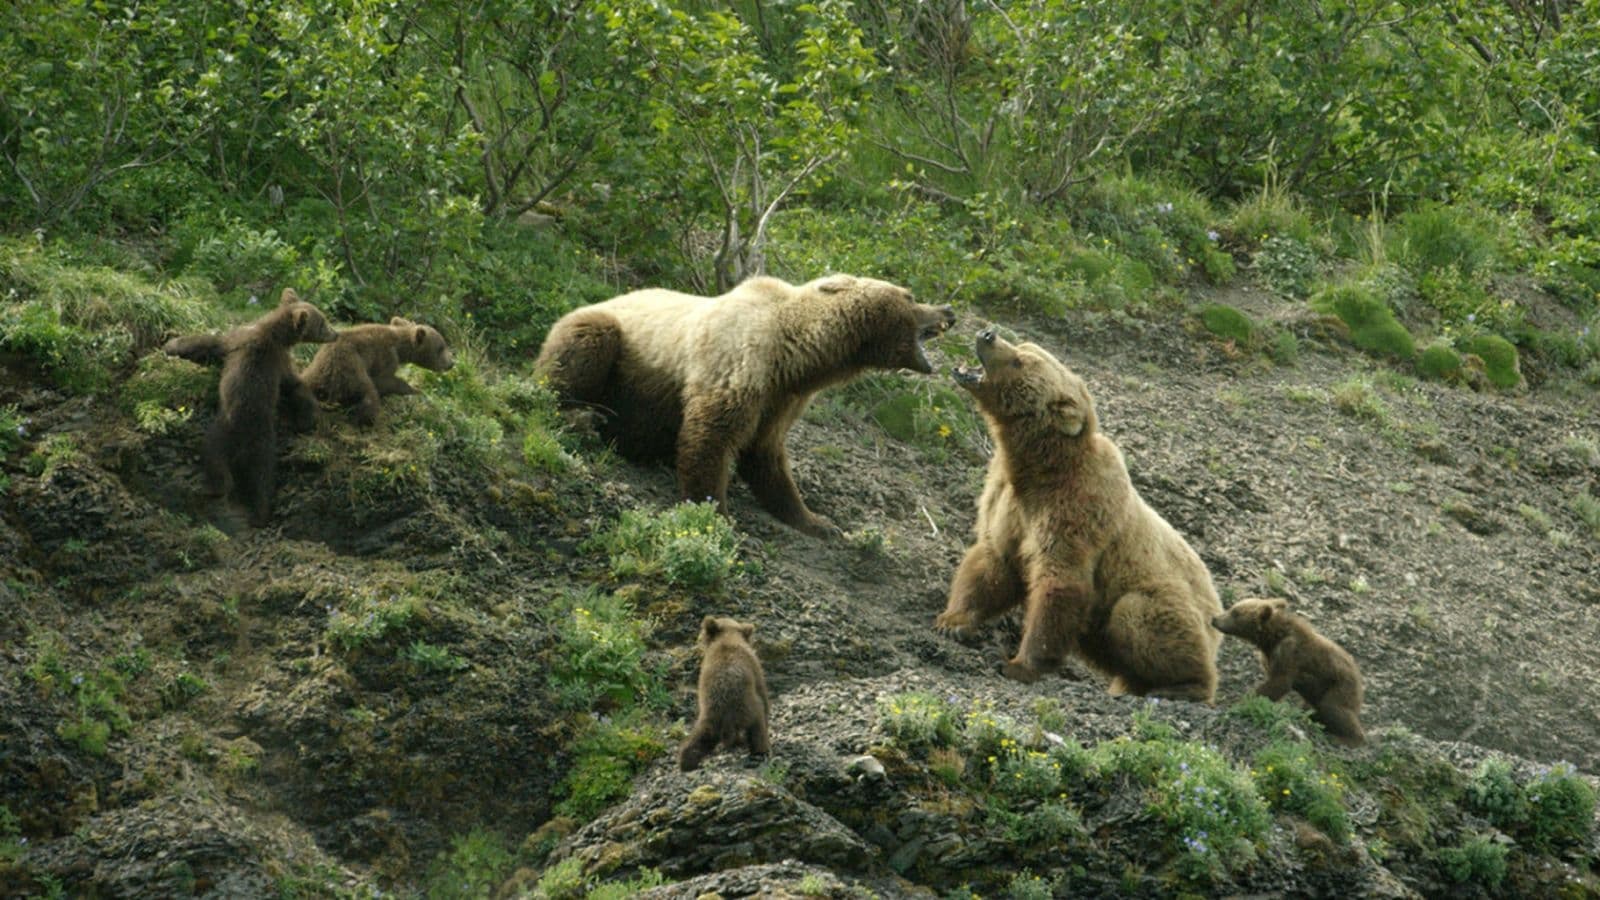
(1251, 618)
(425, 345)
(1022, 384)
(308, 323)
(714, 628)
(890, 323)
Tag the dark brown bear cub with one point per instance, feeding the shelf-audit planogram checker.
(241, 445)
(1296, 657)
(733, 694)
(359, 368)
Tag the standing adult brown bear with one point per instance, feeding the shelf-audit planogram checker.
(358, 369)
(732, 694)
(1062, 531)
(1297, 658)
(719, 380)
(241, 446)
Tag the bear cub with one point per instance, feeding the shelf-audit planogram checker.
(241, 450)
(1296, 657)
(358, 369)
(732, 694)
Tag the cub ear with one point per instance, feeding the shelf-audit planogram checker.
(419, 335)
(301, 318)
(836, 284)
(1278, 605)
(709, 627)
(287, 297)
(747, 630)
(400, 320)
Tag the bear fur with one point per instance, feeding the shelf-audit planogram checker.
(732, 694)
(358, 369)
(1062, 532)
(711, 381)
(1295, 657)
(257, 374)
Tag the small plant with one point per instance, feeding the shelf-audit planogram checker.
(690, 545)
(917, 721)
(1560, 808)
(428, 657)
(1356, 397)
(1478, 860)
(369, 617)
(13, 429)
(812, 886)
(600, 655)
(1288, 779)
(1439, 361)
(1027, 886)
(51, 454)
(1227, 322)
(1588, 510)
(11, 840)
(604, 760)
(475, 864)
(1372, 324)
(1286, 265)
(1279, 720)
(1027, 775)
(1499, 357)
(563, 881)
(184, 687)
(1049, 823)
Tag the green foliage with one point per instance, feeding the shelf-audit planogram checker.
(430, 658)
(1289, 778)
(164, 392)
(370, 616)
(1286, 265)
(600, 655)
(474, 866)
(1047, 824)
(605, 757)
(926, 414)
(51, 453)
(1555, 809)
(13, 429)
(1478, 860)
(1267, 213)
(1226, 322)
(1355, 396)
(1499, 357)
(1588, 509)
(1439, 361)
(97, 710)
(10, 836)
(244, 263)
(1435, 236)
(917, 721)
(1279, 720)
(1372, 324)
(690, 545)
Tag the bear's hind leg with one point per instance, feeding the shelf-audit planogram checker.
(757, 739)
(1051, 628)
(578, 355)
(1337, 711)
(1159, 644)
(214, 461)
(700, 744)
(985, 585)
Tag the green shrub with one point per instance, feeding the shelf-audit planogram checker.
(1285, 265)
(1560, 808)
(473, 867)
(369, 617)
(1499, 357)
(600, 654)
(1479, 860)
(1355, 396)
(1270, 212)
(1372, 324)
(165, 391)
(1048, 824)
(243, 262)
(689, 544)
(1436, 235)
(1028, 775)
(1288, 778)
(1227, 322)
(917, 721)
(1588, 510)
(605, 757)
(1439, 361)
(13, 429)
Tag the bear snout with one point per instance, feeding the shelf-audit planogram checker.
(987, 335)
(948, 314)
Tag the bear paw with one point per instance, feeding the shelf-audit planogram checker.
(959, 622)
(822, 527)
(1018, 672)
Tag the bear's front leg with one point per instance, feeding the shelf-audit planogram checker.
(713, 428)
(765, 468)
(985, 585)
(1057, 613)
(392, 385)
(299, 404)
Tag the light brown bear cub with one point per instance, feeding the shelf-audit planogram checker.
(1062, 532)
(732, 695)
(714, 382)
(359, 368)
(1297, 658)
(258, 374)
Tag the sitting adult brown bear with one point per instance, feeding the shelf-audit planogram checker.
(358, 369)
(241, 445)
(1062, 531)
(1297, 658)
(714, 380)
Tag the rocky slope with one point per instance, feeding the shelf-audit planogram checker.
(271, 728)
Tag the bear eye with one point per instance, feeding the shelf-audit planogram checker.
(1016, 363)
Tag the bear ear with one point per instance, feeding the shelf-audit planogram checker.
(287, 297)
(400, 320)
(747, 630)
(836, 284)
(1069, 417)
(709, 626)
(300, 318)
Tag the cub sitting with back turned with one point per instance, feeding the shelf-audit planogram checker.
(1297, 658)
(732, 694)
(257, 371)
(359, 368)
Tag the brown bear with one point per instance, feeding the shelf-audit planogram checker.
(359, 368)
(719, 380)
(257, 372)
(1062, 531)
(732, 695)
(1297, 658)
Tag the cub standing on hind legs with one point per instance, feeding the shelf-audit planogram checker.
(241, 448)
(1297, 658)
(732, 695)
